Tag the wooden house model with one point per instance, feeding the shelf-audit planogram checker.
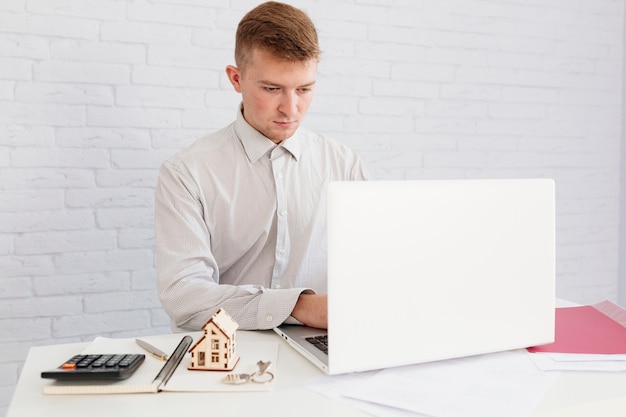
(215, 351)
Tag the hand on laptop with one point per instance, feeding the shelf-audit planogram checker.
(312, 310)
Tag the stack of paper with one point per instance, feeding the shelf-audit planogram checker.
(491, 385)
(587, 338)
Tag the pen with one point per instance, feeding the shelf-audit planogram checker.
(153, 351)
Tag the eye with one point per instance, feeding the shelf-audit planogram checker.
(271, 89)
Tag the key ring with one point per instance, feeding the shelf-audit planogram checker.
(262, 376)
(259, 378)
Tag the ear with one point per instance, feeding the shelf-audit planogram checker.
(234, 76)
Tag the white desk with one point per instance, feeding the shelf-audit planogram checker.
(575, 393)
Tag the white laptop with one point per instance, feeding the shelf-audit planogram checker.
(421, 271)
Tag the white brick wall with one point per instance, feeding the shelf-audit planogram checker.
(95, 94)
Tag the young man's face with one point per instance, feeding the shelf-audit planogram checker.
(276, 93)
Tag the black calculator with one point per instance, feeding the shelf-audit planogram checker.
(97, 366)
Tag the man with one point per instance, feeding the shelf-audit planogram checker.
(241, 214)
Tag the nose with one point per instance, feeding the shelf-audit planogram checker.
(289, 103)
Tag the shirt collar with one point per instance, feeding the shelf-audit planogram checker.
(256, 145)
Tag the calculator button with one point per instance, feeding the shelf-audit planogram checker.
(125, 362)
(115, 359)
(106, 366)
(86, 361)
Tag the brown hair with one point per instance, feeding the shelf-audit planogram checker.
(277, 28)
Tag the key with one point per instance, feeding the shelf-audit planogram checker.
(263, 366)
(262, 376)
(236, 379)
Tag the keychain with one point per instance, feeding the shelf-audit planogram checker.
(262, 376)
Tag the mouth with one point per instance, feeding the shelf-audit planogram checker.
(285, 125)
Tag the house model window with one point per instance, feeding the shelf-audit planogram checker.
(215, 351)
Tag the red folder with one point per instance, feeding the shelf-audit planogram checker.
(599, 328)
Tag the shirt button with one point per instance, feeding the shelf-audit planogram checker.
(283, 213)
(269, 317)
(281, 251)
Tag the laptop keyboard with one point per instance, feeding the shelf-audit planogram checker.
(320, 342)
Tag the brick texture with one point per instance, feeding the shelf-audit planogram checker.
(95, 94)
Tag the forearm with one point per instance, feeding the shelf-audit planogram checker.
(192, 302)
(190, 290)
(312, 310)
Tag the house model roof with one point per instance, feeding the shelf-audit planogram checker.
(223, 321)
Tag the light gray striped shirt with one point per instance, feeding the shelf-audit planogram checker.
(241, 224)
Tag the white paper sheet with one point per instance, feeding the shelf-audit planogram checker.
(578, 362)
(336, 386)
(493, 385)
